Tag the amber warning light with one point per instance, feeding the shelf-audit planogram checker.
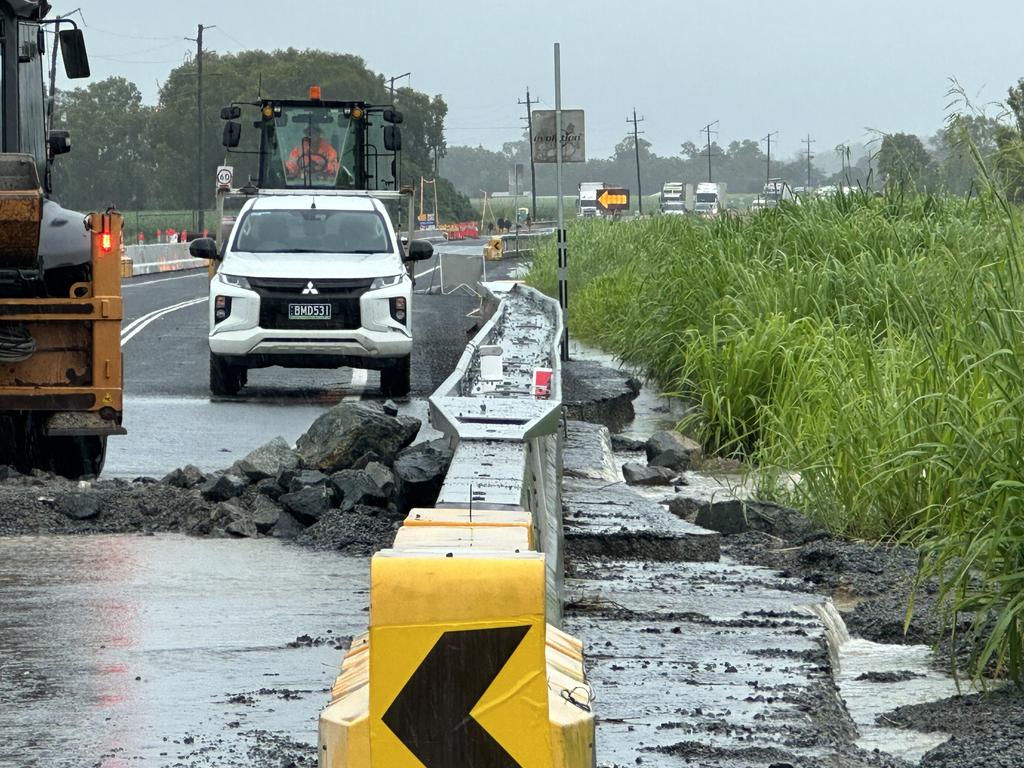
(105, 242)
(314, 93)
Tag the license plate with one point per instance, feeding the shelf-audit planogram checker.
(309, 311)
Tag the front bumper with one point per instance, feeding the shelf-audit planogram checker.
(379, 337)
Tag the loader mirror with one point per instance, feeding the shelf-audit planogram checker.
(204, 248)
(393, 116)
(392, 138)
(232, 134)
(60, 143)
(72, 48)
(231, 113)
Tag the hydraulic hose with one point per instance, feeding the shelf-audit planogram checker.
(16, 343)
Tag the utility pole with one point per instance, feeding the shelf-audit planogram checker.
(808, 141)
(200, 160)
(533, 170)
(636, 148)
(768, 138)
(707, 129)
(392, 81)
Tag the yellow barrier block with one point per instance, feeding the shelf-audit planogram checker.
(453, 537)
(480, 518)
(127, 267)
(572, 731)
(458, 672)
(493, 249)
(345, 731)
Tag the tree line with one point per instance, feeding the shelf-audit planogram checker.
(136, 156)
(944, 162)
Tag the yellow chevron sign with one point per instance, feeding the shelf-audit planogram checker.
(614, 198)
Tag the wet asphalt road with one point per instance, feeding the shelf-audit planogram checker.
(173, 420)
(116, 654)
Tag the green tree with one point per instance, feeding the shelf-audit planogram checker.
(904, 161)
(111, 162)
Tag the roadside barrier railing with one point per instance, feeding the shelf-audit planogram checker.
(464, 663)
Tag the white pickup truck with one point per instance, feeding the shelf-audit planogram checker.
(311, 281)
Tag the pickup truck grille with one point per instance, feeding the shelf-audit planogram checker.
(343, 296)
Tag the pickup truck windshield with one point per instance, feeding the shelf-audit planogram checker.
(313, 231)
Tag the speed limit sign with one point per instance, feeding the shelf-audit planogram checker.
(225, 175)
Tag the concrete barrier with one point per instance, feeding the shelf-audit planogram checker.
(464, 664)
(161, 257)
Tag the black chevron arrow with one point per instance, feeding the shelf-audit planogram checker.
(431, 713)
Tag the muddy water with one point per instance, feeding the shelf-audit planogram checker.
(165, 650)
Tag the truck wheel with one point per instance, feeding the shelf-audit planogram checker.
(225, 378)
(76, 457)
(395, 381)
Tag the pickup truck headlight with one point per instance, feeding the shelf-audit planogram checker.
(238, 282)
(385, 282)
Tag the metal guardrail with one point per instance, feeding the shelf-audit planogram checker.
(464, 663)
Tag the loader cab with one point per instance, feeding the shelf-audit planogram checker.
(318, 144)
(25, 126)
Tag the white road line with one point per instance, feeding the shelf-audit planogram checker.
(163, 280)
(359, 378)
(140, 325)
(128, 328)
(428, 271)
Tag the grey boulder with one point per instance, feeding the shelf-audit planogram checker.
(186, 477)
(267, 461)
(638, 474)
(420, 472)
(338, 438)
(308, 504)
(224, 487)
(672, 450)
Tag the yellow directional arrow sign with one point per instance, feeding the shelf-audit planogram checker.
(458, 683)
(614, 198)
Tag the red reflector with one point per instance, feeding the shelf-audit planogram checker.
(105, 242)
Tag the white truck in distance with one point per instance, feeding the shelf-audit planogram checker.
(674, 195)
(709, 199)
(586, 203)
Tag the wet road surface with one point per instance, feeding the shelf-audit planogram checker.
(173, 420)
(160, 651)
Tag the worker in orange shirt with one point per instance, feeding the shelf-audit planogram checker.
(314, 154)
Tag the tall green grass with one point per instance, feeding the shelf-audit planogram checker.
(873, 345)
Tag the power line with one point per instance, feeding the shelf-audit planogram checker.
(533, 169)
(636, 148)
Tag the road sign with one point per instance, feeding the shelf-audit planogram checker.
(439, 730)
(225, 176)
(458, 683)
(613, 199)
(573, 136)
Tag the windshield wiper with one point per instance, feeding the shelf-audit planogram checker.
(367, 251)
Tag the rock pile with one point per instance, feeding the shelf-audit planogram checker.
(351, 477)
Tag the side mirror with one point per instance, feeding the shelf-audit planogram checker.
(392, 138)
(72, 48)
(231, 113)
(232, 135)
(204, 248)
(419, 250)
(393, 116)
(60, 143)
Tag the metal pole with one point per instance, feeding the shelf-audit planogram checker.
(201, 221)
(709, 152)
(563, 245)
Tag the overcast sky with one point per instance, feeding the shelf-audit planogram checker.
(828, 68)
